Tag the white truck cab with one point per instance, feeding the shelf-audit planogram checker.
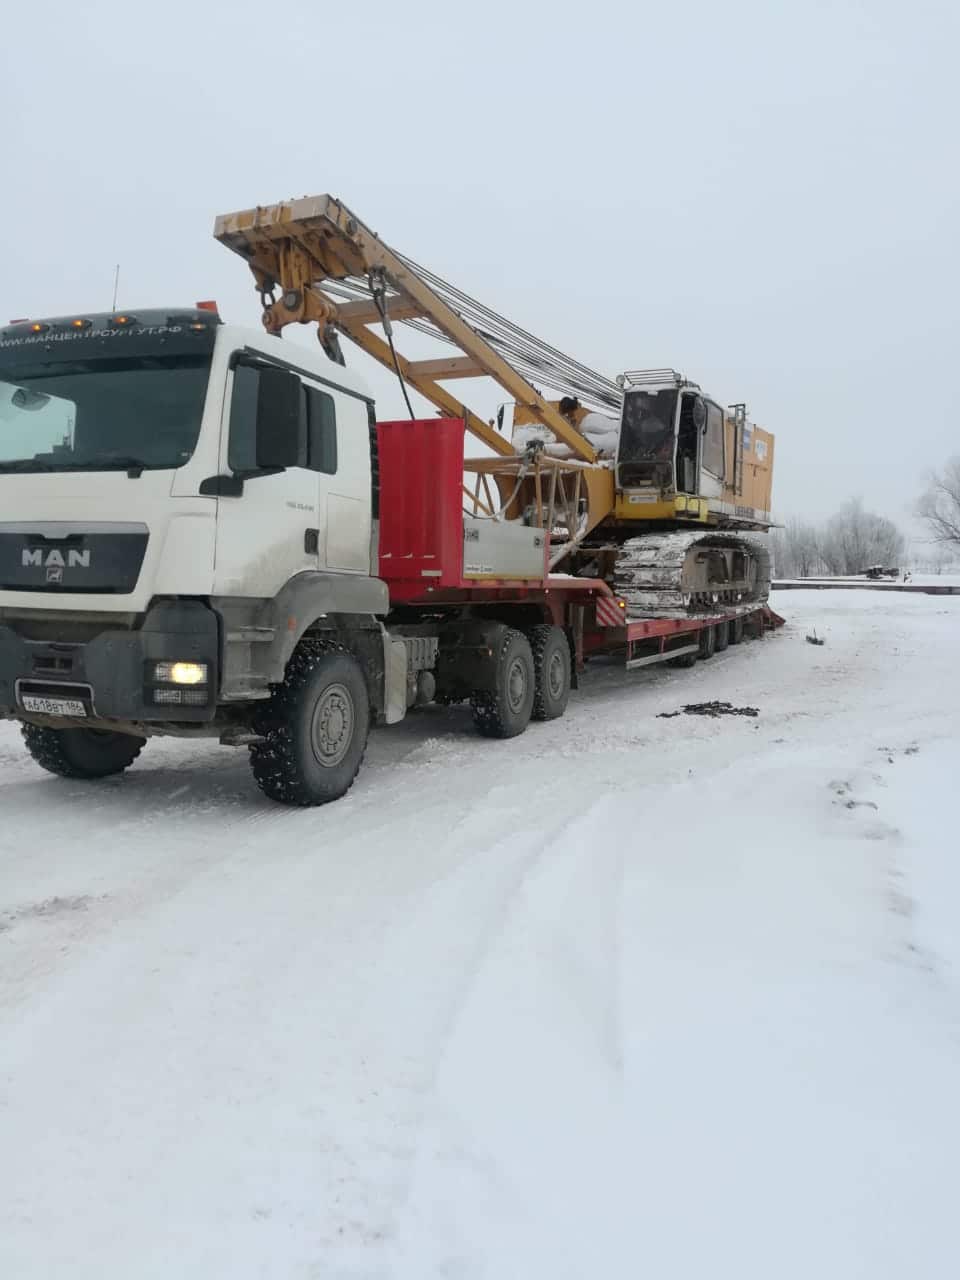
(180, 502)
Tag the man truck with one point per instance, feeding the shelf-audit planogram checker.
(206, 531)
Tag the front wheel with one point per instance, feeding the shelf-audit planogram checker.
(81, 753)
(314, 729)
(505, 710)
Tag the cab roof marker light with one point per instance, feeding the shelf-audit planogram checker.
(124, 320)
(37, 327)
(79, 324)
(208, 305)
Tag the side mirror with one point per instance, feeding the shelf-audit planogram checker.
(281, 427)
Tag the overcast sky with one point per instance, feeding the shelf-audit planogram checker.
(762, 194)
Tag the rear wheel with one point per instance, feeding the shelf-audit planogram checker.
(722, 635)
(685, 660)
(505, 710)
(735, 626)
(551, 665)
(708, 642)
(81, 753)
(314, 729)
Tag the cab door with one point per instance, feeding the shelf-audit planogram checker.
(345, 540)
(268, 530)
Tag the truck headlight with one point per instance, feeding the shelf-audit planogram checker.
(180, 673)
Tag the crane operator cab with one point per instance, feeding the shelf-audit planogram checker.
(671, 436)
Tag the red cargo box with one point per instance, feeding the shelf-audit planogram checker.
(421, 504)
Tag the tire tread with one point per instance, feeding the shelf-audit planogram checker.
(487, 708)
(51, 752)
(539, 636)
(273, 762)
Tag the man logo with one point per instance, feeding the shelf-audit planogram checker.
(36, 558)
(54, 574)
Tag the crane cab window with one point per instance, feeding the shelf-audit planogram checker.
(713, 441)
(645, 453)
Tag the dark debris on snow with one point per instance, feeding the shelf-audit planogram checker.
(709, 709)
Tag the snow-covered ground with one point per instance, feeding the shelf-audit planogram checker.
(624, 997)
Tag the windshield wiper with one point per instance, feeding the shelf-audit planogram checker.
(134, 467)
(27, 464)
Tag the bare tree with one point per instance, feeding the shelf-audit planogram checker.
(855, 539)
(796, 549)
(850, 542)
(940, 505)
(806, 540)
(780, 558)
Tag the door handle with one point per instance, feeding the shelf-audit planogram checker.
(311, 542)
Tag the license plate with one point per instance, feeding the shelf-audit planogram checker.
(53, 706)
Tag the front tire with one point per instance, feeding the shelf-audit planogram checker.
(81, 753)
(505, 710)
(314, 729)
(552, 667)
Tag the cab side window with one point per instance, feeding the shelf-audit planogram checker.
(321, 431)
(318, 414)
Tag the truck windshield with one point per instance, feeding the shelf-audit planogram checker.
(101, 415)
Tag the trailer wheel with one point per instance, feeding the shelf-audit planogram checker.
(735, 626)
(314, 728)
(81, 753)
(505, 711)
(685, 660)
(708, 642)
(722, 635)
(551, 666)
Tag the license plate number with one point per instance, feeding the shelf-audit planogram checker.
(53, 706)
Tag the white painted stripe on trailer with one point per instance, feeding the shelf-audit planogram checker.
(609, 613)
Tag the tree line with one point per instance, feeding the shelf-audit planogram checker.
(855, 539)
(849, 542)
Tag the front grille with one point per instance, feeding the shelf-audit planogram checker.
(51, 664)
(54, 557)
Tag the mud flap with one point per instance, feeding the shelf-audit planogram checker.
(394, 679)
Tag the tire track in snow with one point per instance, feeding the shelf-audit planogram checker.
(531, 1072)
(361, 953)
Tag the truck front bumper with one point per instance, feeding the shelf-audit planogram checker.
(113, 675)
